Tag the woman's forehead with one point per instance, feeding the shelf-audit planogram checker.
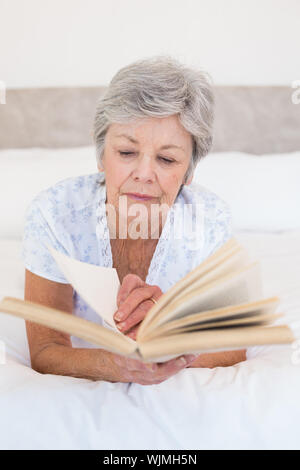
(166, 131)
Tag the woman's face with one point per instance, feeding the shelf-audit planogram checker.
(149, 157)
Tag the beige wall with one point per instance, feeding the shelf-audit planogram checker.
(84, 42)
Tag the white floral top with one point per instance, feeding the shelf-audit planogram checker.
(71, 217)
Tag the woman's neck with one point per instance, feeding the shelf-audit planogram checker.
(132, 256)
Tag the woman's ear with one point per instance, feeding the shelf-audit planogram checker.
(100, 167)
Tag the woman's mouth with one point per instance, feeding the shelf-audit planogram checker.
(139, 197)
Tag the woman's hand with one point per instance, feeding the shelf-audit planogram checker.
(132, 370)
(133, 303)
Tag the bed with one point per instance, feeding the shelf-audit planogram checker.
(252, 405)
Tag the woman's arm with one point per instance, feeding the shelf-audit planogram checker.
(220, 359)
(51, 351)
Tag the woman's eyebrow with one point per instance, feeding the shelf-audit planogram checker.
(164, 147)
(128, 137)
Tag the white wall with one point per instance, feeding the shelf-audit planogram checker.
(84, 42)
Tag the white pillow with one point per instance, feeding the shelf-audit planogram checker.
(12, 276)
(25, 172)
(263, 191)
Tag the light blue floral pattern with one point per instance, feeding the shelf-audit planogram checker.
(71, 217)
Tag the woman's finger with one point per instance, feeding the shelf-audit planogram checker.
(155, 373)
(137, 316)
(136, 297)
(130, 282)
(134, 319)
(171, 367)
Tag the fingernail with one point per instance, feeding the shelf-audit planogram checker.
(119, 316)
(122, 325)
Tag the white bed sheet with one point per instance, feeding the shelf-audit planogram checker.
(253, 405)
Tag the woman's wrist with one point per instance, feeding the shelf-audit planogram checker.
(108, 368)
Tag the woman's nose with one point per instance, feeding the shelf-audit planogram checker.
(144, 170)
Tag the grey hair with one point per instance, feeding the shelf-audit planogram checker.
(159, 86)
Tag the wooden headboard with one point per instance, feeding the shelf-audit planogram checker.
(249, 119)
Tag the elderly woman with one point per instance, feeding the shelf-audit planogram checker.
(152, 126)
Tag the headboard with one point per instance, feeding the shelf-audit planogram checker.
(253, 119)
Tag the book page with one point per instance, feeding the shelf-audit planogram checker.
(236, 261)
(243, 285)
(70, 324)
(232, 322)
(97, 285)
(199, 342)
(224, 252)
(261, 307)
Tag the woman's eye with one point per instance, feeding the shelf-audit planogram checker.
(163, 159)
(125, 153)
(166, 160)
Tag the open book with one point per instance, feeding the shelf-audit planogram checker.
(217, 306)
